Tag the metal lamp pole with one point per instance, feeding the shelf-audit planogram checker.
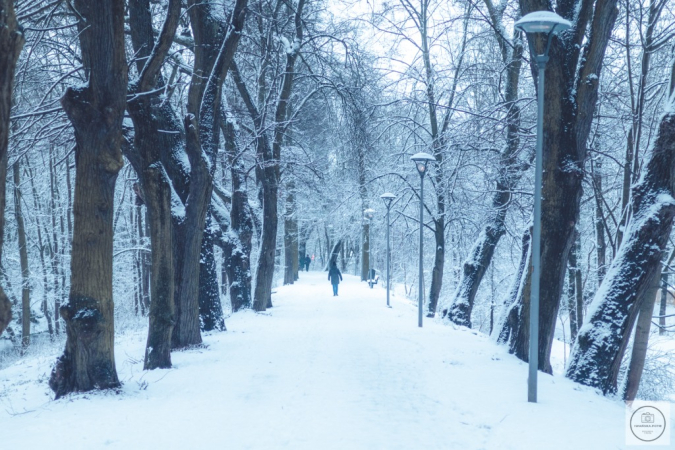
(421, 160)
(387, 198)
(532, 24)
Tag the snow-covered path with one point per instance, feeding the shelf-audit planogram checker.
(315, 372)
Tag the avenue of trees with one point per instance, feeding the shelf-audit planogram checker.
(166, 163)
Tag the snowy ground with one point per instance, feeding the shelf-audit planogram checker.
(316, 372)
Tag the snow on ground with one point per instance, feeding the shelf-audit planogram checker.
(315, 372)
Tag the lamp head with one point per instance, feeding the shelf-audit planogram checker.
(421, 161)
(542, 22)
(545, 22)
(368, 213)
(387, 198)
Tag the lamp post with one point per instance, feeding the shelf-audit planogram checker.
(549, 24)
(388, 198)
(421, 161)
(368, 215)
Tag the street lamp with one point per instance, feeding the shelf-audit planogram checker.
(549, 24)
(421, 161)
(388, 198)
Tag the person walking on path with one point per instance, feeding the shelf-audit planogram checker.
(335, 277)
(307, 261)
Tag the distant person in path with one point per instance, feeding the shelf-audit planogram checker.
(335, 277)
(307, 261)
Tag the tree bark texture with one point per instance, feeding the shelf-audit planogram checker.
(268, 157)
(517, 304)
(266, 180)
(641, 340)
(210, 308)
(57, 269)
(23, 257)
(96, 111)
(663, 303)
(575, 294)
(238, 251)
(162, 289)
(11, 43)
(290, 234)
(571, 294)
(45, 247)
(571, 91)
(215, 61)
(157, 136)
(365, 251)
(600, 244)
(596, 357)
(212, 62)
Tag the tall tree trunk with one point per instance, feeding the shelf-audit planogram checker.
(202, 136)
(210, 308)
(665, 293)
(600, 245)
(290, 234)
(11, 43)
(45, 247)
(579, 286)
(439, 173)
(571, 92)
(212, 63)
(136, 263)
(509, 325)
(238, 253)
(571, 295)
(596, 356)
(66, 244)
(141, 264)
(57, 269)
(365, 251)
(663, 304)
(157, 138)
(162, 289)
(23, 258)
(267, 171)
(296, 247)
(96, 111)
(641, 340)
(262, 295)
(304, 232)
(574, 292)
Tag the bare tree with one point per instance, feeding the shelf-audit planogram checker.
(237, 250)
(23, 257)
(571, 93)
(153, 120)
(202, 132)
(268, 153)
(96, 111)
(510, 171)
(11, 43)
(597, 354)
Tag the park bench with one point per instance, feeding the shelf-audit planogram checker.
(372, 278)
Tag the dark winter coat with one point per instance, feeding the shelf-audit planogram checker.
(334, 275)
